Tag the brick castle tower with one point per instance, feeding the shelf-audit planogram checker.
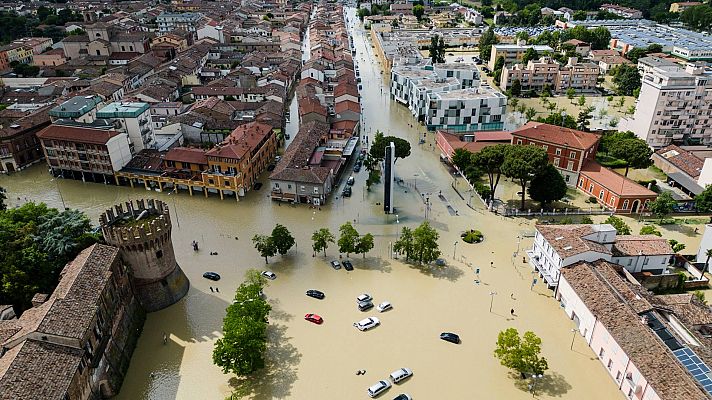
(142, 232)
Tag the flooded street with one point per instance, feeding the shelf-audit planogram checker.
(307, 361)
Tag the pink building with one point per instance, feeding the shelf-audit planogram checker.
(628, 335)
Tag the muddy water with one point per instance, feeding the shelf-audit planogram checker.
(310, 361)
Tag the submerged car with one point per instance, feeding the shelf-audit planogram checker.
(269, 275)
(213, 276)
(365, 305)
(347, 265)
(335, 264)
(450, 337)
(378, 388)
(317, 294)
(364, 297)
(367, 323)
(385, 306)
(314, 318)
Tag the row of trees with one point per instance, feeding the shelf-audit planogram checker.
(698, 17)
(419, 244)
(37, 242)
(523, 164)
(241, 349)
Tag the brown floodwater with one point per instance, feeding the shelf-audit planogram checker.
(307, 361)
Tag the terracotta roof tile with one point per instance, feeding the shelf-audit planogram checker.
(682, 159)
(615, 182)
(557, 135)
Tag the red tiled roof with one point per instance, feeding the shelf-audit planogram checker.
(187, 155)
(309, 105)
(241, 141)
(557, 135)
(77, 134)
(616, 183)
(347, 105)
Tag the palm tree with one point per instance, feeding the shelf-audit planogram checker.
(708, 253)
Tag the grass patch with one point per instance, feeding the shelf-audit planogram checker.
(610, 162)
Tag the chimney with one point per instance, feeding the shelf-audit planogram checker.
(38, 299)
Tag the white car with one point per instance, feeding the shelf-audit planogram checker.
(367, 323)
(378, 388)
(385, 306)
(401, 374)
(269, 275)
(362, 298)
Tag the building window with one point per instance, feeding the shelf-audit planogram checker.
(600, 194)
(545, 147)
(558, 152)
(590, 188)
(566, 178)
(556, 162)
(572, 155)
(519, 141)
(610, 363)
(618, 375)
(581, 182)
(570, 166)
(625, 204)
(159, 254)
(601, 353)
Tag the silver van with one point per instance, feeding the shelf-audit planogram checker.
(401, 374)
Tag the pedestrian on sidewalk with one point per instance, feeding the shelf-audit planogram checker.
(511, 312)
(211, 289)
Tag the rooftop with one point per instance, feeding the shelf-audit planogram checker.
(122, 110)
(570, 240)
(557, 135)
(682, 160)
(75, 107)
(615, 182)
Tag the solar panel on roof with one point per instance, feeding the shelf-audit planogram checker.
(696, 367)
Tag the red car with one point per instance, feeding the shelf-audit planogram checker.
(314, 318)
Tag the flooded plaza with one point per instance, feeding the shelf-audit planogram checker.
(307, 361)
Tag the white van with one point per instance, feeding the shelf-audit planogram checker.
(378, 388)
(401, 374)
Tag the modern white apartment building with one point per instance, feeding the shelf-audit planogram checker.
(558, 246)
(448, 96)
(466, 110)
(674, 106)
(546, 71)
(171, 21)
(513, 53)
(134, 119)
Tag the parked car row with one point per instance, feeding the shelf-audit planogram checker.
(337, 265)
(396, 376)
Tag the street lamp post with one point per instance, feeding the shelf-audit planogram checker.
(454, 250)
(492, 294)
(573, 337)
(535, 379)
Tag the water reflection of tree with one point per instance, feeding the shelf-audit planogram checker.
(275, 381)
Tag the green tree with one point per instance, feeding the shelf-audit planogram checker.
(529, 55)
(516, 91)
(3, 197)
(676, 246)
(321, 240)
(244, 342)
(586, 220)
(650, 230)
(514, 102)
(559, 119)
(418, 11)
(490, 160)
(521, 354)
(663, 205)
(405, 243)
(462, 158)
(627, 79)
(485, 44)
(634, 151)
(499, 63)
(570, 94)
(425, 243)
(265, 245)
(282, 239)
(621, 227)
(380, 142)
(547, 186)
(584, 119)
(436, 51)
(579, 15)
(621, 102)
(708, 253)
(348, 239)
(530, 113)
(523, 163)
(364, 244)
(582, 101)
(703, 201)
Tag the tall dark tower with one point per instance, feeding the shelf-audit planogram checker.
(142, 232)
(389, 178)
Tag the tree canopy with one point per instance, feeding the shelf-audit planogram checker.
(634, 151)
(621, 227)
(436, 51)
(547, 186)
(405, 243)
(380, 142)
(265, 245)
(348, 238)
(703, 201)
(523, 163)
(521, 354)
(282, 238)
(37, 242)
(487, 39)
(663, 205)
(321, 240)
(418, 11)
(490, 160)
(627, 79)
(244, 342)
(425, 243)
